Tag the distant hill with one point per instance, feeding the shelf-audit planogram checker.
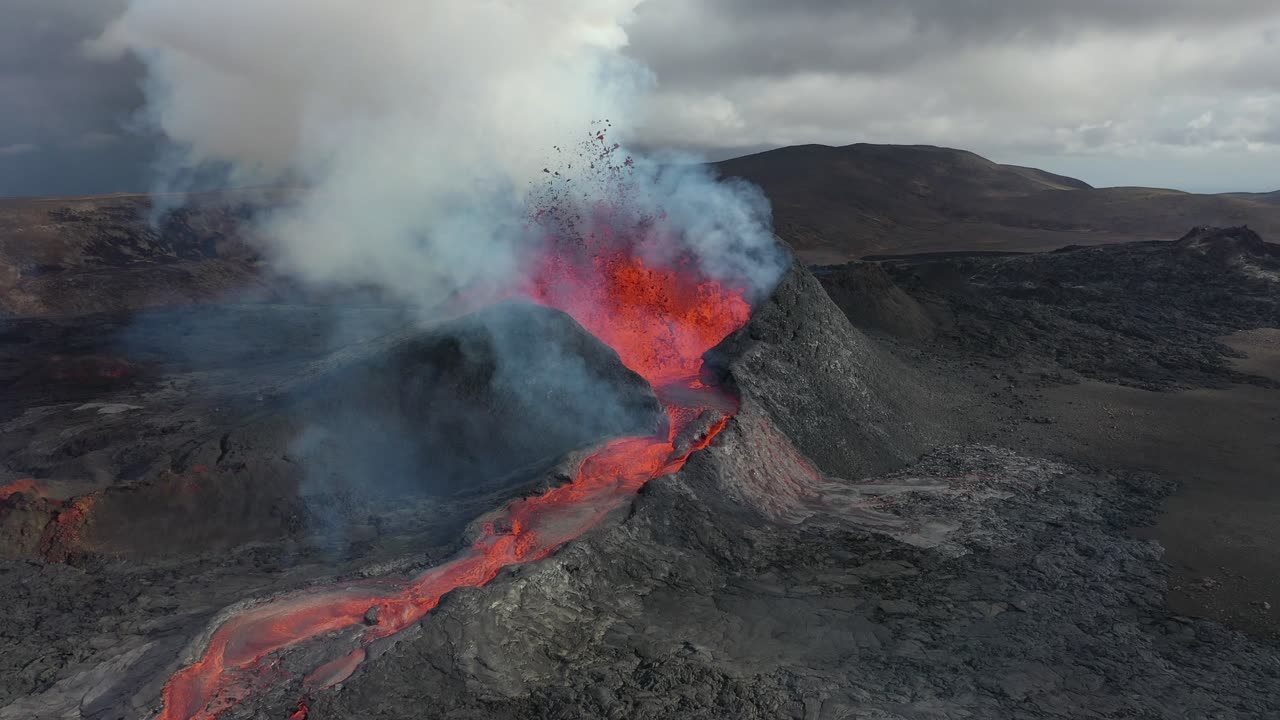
(837, 203)
(68, 256)
(1271, 198)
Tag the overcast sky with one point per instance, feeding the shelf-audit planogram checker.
(1173, 93)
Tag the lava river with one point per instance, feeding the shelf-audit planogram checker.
(660, 321)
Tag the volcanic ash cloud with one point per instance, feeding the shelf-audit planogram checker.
(416, 127)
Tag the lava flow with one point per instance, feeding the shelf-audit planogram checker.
(27, 486)
(661, 322)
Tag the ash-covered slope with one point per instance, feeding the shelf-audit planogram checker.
(706, 602)
(243, 496)
(753, 583)
(238, 474)
(795, 568)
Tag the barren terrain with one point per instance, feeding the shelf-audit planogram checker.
(837, 204)
(1153, 356)
(967, 484)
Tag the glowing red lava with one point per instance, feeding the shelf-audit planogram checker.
(27, 486)
(64, 535)
(661, 322)
(658, 320)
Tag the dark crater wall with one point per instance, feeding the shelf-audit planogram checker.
(511, 387)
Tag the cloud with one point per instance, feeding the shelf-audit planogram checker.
(1013, 79)
(17, 149)
(691, 41)
(93, 140)
(1007, 78)
(418, 129)
(56, 97)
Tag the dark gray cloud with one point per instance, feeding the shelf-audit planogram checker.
(716, 40)
(67, 120)
(1152, 83)
(1170, 85)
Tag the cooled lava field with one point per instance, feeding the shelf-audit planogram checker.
(656, 497)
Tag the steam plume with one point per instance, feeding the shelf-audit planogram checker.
(416, 127)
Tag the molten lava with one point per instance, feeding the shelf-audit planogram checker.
(27, 486)
(661, 321)
(658, 320)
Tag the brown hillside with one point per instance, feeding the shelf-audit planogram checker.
(1271, 198)
(67, 256)
(834, 204)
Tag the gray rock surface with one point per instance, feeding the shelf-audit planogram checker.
(849, 406)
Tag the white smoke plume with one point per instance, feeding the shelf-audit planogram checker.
(415, 127)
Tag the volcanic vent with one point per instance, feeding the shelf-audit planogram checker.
(315, 635)
(660, 320)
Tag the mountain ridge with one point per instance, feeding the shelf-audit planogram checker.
(61, 256)
(839, 203)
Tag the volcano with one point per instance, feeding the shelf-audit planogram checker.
(661, 323)
(668, 355)
(685, 500)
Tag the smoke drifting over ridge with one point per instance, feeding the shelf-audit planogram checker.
(418, 129)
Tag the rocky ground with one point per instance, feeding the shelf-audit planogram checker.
(876, 534)
(1030, 601)
(1144, 314)
(1148, 355)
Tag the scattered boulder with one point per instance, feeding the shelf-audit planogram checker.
(1226, 245)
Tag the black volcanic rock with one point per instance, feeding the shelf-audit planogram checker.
(121, 252)
(723, 595)
(1227, 245)
(1146, 314)
(750, 584)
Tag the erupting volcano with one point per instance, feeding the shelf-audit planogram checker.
(660, 320)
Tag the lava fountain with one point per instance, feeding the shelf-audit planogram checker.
(661, 320)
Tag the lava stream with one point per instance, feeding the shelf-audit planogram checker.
(661, 322)
(28, 486)
(531, 530)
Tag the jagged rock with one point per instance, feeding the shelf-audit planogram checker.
(1226, 245)
(665, 614)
